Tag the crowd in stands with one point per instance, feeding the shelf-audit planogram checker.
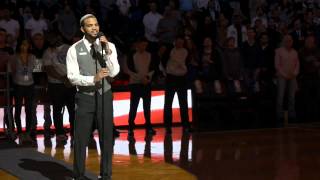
(221, 47)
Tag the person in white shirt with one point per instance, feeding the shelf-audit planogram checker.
(260, 14)
(88, 69)
(35, 25)
(11, 26)
(60, 91)
(150, 22)
(237, 30)
(124, 6)
(67, 23)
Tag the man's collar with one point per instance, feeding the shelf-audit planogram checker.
(87, 43)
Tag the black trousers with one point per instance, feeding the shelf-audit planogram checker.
(176, 84)
(85, 113)
(61, 96)
(138, 91)
(25, 93)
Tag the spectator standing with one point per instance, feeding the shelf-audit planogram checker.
(35, 25)
(60, 90)
(237, 30)
(260, 15)
(176, 81)
(6, 55)
(150, 22)
(140, 72)
(266, 56)
(38, 48)
(11, 26)
(26, 14)
(222, 26)
(124, 6)
(67, 24)
(255, 4)
(297, 34)
(287, 68)
(232, 66)
(168, 28)
(211, 64)
(310, 79)
(251, 61)
(189, 21)
(22, 67)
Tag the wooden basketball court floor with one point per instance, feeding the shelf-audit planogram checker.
(265, 154)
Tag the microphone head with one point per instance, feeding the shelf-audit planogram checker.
(100, 34)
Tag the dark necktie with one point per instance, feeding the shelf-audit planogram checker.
(93, 51)
(96, 55)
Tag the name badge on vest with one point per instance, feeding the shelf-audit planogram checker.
(82, 53)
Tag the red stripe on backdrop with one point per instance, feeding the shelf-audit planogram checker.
(156, 117)
(126, 95)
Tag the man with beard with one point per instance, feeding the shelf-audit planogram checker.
(87, 69)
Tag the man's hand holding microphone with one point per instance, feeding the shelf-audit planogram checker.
(103, 72)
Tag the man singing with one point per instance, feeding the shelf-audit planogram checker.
(85, 69)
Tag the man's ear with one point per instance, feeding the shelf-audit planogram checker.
(82, 30)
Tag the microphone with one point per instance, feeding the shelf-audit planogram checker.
(104, 45)
(100, 34)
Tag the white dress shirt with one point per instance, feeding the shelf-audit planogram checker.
(232, 32)
(150, 22)
(36, 26)
(73, 71)
(57, 59)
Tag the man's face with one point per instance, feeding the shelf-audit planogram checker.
(251, 34)
(264, 39)
(153, 7)
(231, 43)
(288, 41)
(90, 27)
(207, 42)
(297, 24)
(38, 41)
(24, 47)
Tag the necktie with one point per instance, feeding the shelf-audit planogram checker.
(96, 55)
(93, 51)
